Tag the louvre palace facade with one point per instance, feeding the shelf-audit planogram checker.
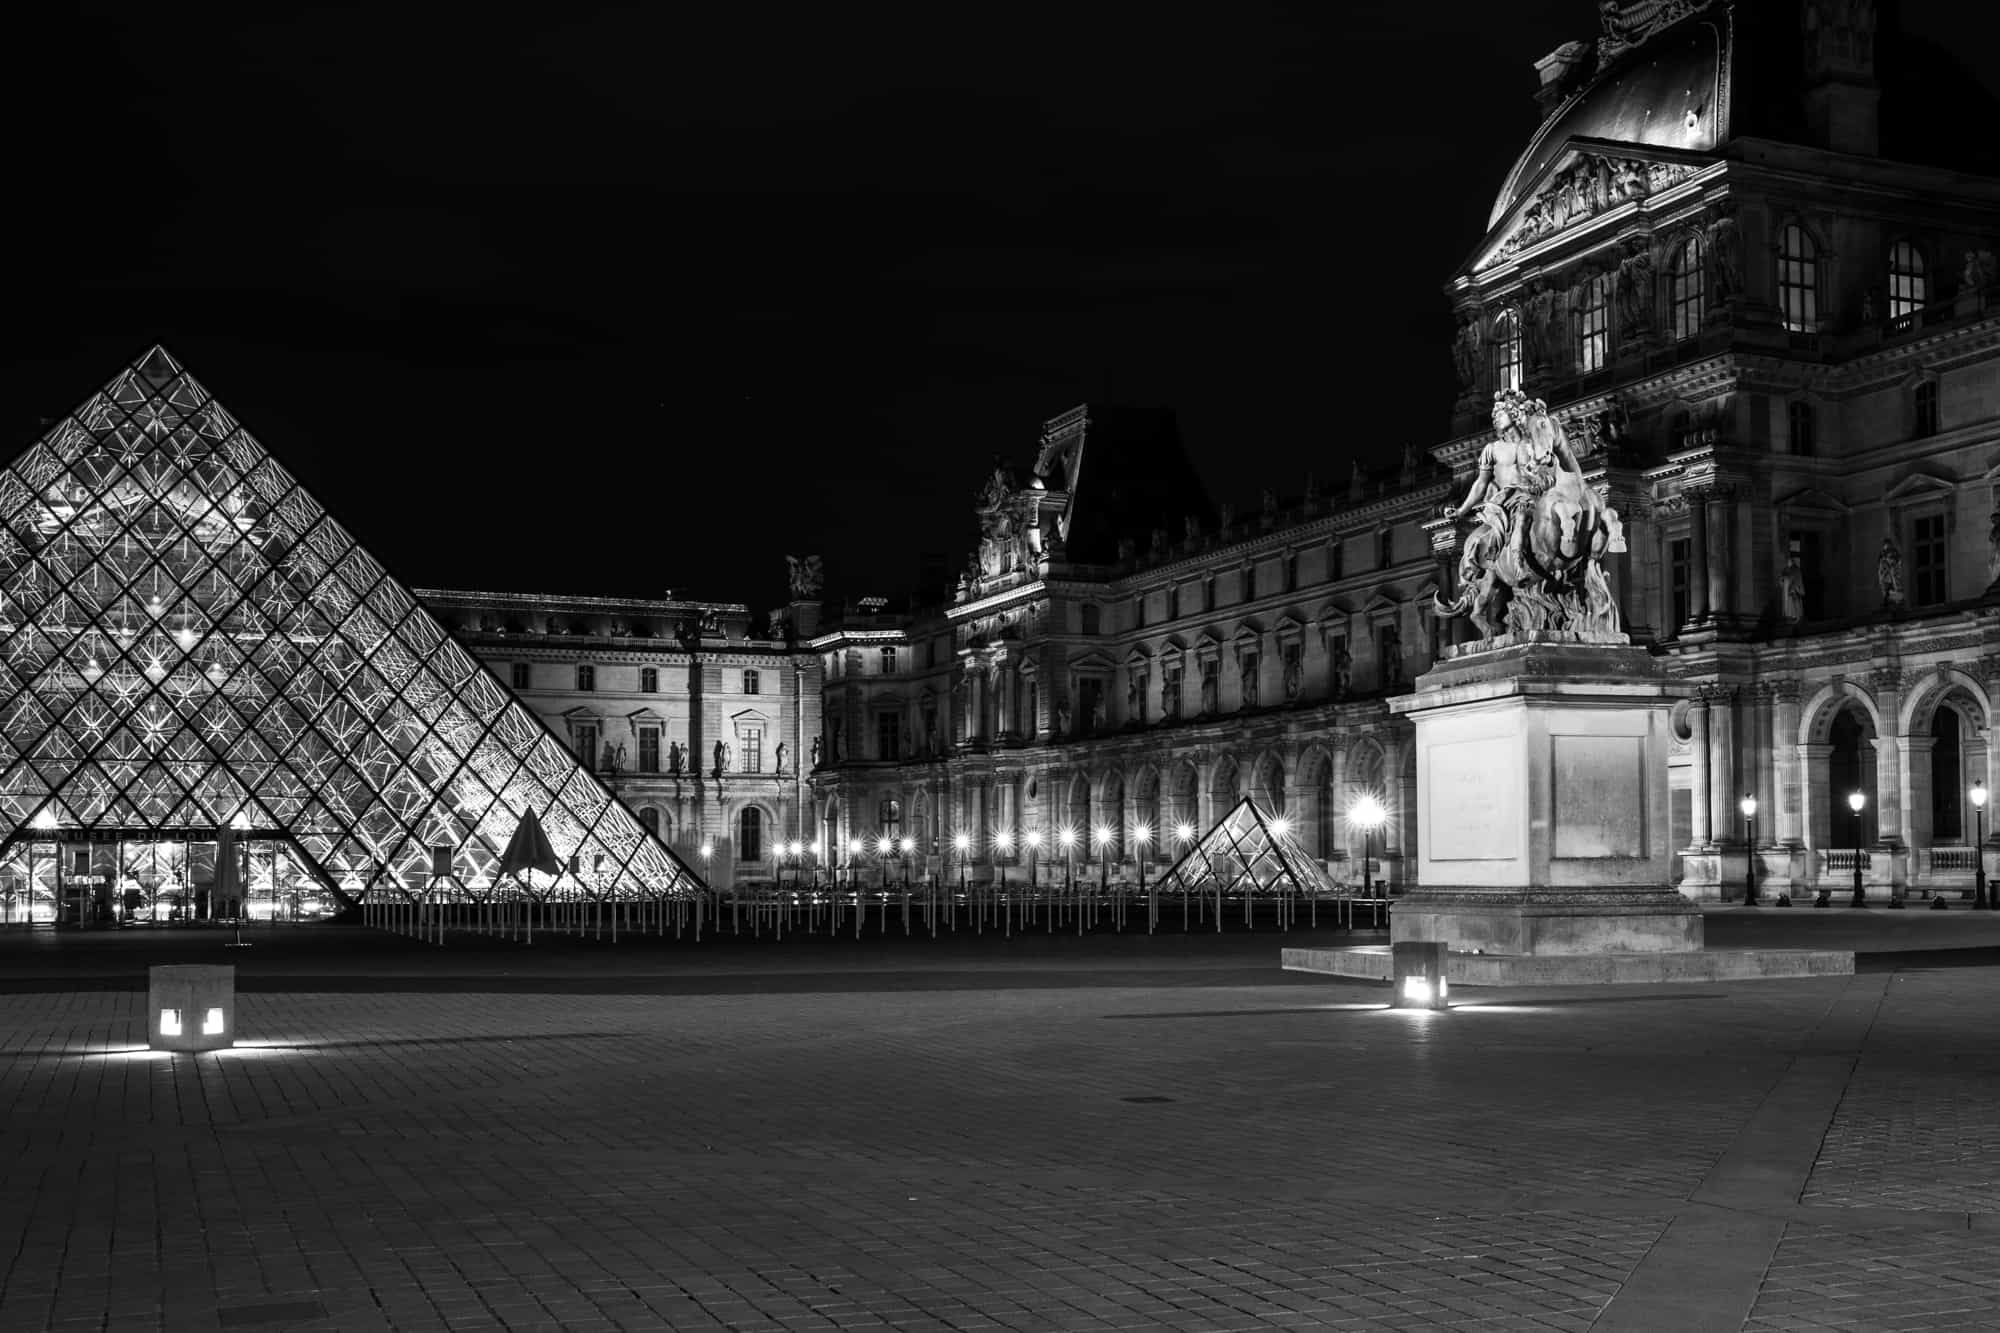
(1745, 260)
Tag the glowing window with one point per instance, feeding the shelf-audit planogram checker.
(1593, 324)
(888, 661)
(1908, 289)
(1687, 289)
(1798, 279)
(753, 749)
(649, 680)
(1506, 350)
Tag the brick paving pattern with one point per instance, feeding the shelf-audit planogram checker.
(1162, 1144)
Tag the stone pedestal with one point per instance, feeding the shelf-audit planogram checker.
(1542, 802)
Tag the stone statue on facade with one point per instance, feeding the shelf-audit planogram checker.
(673, 758)
(833, 743)
(1193, 527)
(1295, 673)
(1889, 574)
(1725, 258)
(1357, 482)
(1792, 590)
(1979, 270)
(1533, 559)
(1170, 695)
(721, 758)
(1096, 714)
(614, 758)
(1465, 352)
(1341, 669)
(804, 575)
(818, 750)
(1634, 287)
(1246, 667)
(1390, 647)
(1993, 552)
(778, 758)
(1228, 515)
(1270, 503)
(1211, 687)
(1062, 720)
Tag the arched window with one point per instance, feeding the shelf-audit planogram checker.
(649, 820)
(1687, 291)
(1798, 279)
(1799, 428)
(1593, 324)
(1908, 289)
(889, 819)
(750, 835)
(1506, 350)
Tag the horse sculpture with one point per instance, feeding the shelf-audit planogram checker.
(1534, 563)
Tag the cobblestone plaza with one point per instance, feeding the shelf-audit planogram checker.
(1105, 1133)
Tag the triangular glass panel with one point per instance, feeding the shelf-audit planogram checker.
(1247, 852)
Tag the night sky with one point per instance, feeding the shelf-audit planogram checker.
(647, 298)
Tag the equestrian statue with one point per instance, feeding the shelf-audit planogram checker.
(1532, 562)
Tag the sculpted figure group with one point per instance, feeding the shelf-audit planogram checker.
(1531, 562)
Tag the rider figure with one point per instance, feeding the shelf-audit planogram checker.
(1517, 466)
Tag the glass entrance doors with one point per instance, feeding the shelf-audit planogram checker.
(109, 879)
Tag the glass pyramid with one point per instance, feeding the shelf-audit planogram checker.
(188, 640)
(1247, 852)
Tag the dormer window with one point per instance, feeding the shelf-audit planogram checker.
(1909, 290)
(1798, 279)
(1687, 289)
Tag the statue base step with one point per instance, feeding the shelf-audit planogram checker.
(1538, 921)
(1372, 963)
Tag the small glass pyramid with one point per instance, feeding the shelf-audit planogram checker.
(1247, 852)
(188, 641)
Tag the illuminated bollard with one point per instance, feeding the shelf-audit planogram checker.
(1417, 973)
(191, 1007)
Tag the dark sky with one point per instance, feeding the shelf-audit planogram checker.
(646, 298)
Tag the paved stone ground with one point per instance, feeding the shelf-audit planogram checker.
(1049, 1135)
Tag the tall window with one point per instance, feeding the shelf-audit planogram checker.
(649, 680)
(520, 675)
(1289, 573)
(1799, 428)
(1798, 279)
(1680, 561)
(1926, 402)
(1908, 290)
(889, 819)
(753, 749)
(888, 736)
(1593, 324)
(586, 745)
(649, 749)
(1090, 619)
(1336, 560)
(750, 835)
(586, 677)
(1385, 548)
(1806, 548)
(1687, 289)
(1250, 582)
(1174, 602)
(1928, 559)
(1505, 350)
(751, 683)
(1208, 593)
(888, 661)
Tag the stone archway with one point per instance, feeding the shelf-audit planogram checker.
(1267, 787)
(1318, 819)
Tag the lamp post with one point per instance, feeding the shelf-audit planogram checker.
(1141, 835)
(814, 848)
(1067, 837)
(1034, 840)
(1855, 802)
(961, 842)
(1748, 805)
(1369, 815)
(1981, 900)
(1102, 833)
(1003, 845)
(1183, 835)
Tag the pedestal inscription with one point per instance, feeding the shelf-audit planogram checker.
(1477, 818)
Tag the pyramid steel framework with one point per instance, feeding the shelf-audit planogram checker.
(188, 640)
(1247, 852)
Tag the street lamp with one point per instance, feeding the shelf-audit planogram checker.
(1368, 814)
(1067, 837)
(962, 843)
(906, 846)
(1981, 901)
(1748, 805)
(1102, 833)
(1034, 841)
(1003, 845)
(1855, 802)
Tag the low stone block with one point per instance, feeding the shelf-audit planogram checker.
(191, 1007)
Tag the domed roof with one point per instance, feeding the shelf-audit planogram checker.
(1666, 92)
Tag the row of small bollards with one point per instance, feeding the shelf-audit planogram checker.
(925, 908)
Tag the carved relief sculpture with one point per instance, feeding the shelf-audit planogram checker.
(1170, 693)
(1532, 561)
(1591, 185)
(1634, 288)
(1978, 272)
(1725, 259)
(1390, 650)
(804, 575)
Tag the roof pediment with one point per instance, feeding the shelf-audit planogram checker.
(1919, 484)
(1587, 180)
(1813, 499)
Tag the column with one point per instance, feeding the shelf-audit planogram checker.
(1789, 788)
(1722, 764)
(1698, 787)
(1337, 777)
(1890, 818)
(1718, 507)
(1698, 603)
(1392, 796)
(975, 698)
(1003, 712)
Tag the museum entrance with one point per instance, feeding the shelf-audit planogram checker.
(112, 878)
